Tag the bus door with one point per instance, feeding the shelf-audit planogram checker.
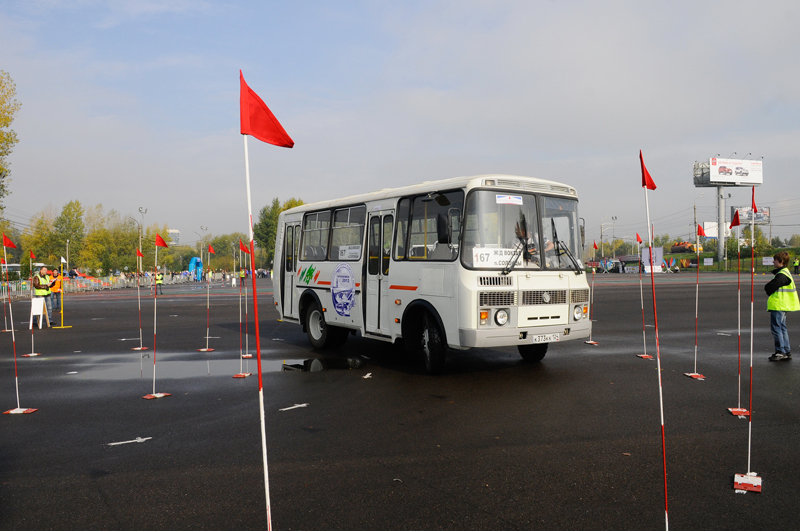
(380, 227)
(291, 244)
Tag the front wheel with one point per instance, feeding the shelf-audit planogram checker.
(433, 345)
(534, 352)
(320, 334)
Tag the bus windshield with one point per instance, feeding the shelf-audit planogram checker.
(502, 231)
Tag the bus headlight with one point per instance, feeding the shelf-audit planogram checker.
(501, 317)
(577, 313)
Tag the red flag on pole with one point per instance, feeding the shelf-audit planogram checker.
(257, 120)
(2, 260)
(8, 243)
(32, 255)
(754, 204)
(735, 222)
(647, 181)
(700, 231)
(595, 245)
(211, 249)
(139, 253)
(160, 241)
(246, 250)
(638, 238)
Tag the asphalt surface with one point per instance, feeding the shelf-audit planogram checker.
(573, 442)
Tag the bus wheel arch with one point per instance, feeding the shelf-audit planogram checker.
(320, 334)
(424, 334)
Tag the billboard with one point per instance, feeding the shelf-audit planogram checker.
(746, 215)
(735, 171)
(710, 228)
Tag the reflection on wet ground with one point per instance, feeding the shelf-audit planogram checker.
(195, 368)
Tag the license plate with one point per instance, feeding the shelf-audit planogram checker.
(546, 338)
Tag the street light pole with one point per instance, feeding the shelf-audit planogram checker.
(613, 230)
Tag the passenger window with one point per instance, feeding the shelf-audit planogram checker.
(347, 233)
(315, 235)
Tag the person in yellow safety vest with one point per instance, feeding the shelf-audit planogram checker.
(41, 288)
(782, 298)
(160, 282)
(56, 290)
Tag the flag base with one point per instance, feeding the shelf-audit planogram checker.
(31, 355)
(694, 375)
(594, 343)
(242, 375)
(739, 411)
(247, 356)
(645, 356)
(139, 348)
(205, 350)
(157, 395)
(19, 410)
(8, 330)
(70, 326)
(745, 482)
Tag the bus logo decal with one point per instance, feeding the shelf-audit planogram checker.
(343, 289)
(508, 199)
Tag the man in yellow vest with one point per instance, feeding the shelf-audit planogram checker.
(41, 288)
(782, 298)
(160, 282)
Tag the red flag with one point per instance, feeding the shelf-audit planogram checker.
(32, 256)
(246, 250)
(7, 242)
(700, 231)
(211, 249)
(595, 245)
(638, 238)
(139, 253)
(257, 120)
(160, 241)
(647, 181)
(754, 203)
(2, 260)
(735, 222)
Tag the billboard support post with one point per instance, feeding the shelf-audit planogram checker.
(720, 224)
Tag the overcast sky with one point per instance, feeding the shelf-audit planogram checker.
(134, 103)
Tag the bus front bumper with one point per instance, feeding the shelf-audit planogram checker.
(508, 337)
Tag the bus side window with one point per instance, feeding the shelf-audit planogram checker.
(401, 235)
(288, 248)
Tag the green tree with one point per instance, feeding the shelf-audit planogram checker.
(68, 226)
(39, 236)
(794, 241)
(266, 229)
(8, 138)
(762, 244)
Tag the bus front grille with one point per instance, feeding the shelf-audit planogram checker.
(530, 298)
(579, 295)
(497, 298)
(496, 281)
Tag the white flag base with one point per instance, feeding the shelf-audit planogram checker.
(594, 343)
(157, 395)
(242, 375)
(694, 375)
(205, 350)
(139, 348)
(645, 356)
(31, 355)
(739, 412)
(745, 482)
(247, 356)
(19, 410)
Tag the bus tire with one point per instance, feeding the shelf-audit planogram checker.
(534, 352)
(434, 349)
(320, 334)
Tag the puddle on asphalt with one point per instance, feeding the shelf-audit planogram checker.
(197, 368)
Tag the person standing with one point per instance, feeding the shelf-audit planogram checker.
(160, 282)
(55, 290)
(782, 298)
(41, 289)
(796, 265)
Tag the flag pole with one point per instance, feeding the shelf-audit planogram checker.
(739, 410)
(258, 336)
(694, 374)
(208, 305)
(645, 355)
(62, 287)
(247, 354)
(242, 373)
(155, 315)
(14, 342)
(139, 299)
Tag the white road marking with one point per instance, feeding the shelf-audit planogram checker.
(136, 440)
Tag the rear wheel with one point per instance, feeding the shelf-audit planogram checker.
(534, 352)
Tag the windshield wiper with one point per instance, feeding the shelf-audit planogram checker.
(523, 246)
(562, 249)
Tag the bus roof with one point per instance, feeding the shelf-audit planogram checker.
(501, 182)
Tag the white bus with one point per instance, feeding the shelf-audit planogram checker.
(484, 261)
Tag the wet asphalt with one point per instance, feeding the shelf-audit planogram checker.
(573, 442)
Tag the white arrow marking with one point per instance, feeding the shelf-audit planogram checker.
(136, 440)
(293, 407)
(129, 339)
(722, 334)
(368, 375)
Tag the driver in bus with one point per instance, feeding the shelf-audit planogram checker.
(523, 236)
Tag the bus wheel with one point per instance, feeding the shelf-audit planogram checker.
(320, 334)
(534, 352)
(433, 347)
